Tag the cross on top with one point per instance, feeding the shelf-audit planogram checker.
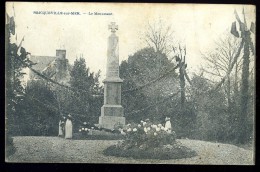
(113, 27)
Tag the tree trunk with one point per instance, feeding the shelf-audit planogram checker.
(236, 85)
(182, 85)
(244, 91)
(228, 93)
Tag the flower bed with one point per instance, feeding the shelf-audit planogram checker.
(97, 135)
(147, 140)
(165, 152)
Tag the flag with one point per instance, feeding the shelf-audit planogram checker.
(252, 47)
(7, 19)
(12, 25)
(252, 27)
(242, 27)
(19, 47)
(237, 17)
(234, 30)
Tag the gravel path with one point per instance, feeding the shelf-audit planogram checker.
(59, 150)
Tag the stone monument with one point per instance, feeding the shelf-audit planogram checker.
(112, 112)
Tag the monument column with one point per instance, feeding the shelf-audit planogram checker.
(112, 111)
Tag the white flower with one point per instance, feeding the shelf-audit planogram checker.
(165, 129)
(123, 133)
(128, 125)
(148, 128)
(82, 129)
(79, 130)
(92, 128)
(84, 123)
(144, 123)
(129, 129)
(159, 125)
(155, 133)
(134, 129)
(162, 128)
(145, 129)
(86, 129)
(139, 125)
(158, 129)
(169, 131)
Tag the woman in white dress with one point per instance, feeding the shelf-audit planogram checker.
(68, 128)
(168, 125)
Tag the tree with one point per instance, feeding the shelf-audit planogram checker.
(39, 112)
(219, 63)
(180, 57)
(159, 37)
(213, 121)
(140, 69)
(16, 61)
(85, 83)
(248, 44)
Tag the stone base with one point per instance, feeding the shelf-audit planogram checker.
(111, 115)
(109, 122)
(112, 110)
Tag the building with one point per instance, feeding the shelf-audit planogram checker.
(56, 67)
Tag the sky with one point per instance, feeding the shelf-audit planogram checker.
(195, 25)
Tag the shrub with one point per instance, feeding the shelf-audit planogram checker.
(147, 140)
(175, 151)
(146, 135)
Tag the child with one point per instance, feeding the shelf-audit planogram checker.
(61, 126)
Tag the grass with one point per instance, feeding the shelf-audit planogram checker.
(60, 150)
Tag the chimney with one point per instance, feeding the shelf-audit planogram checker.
(61, 54)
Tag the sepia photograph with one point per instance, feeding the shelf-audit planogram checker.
(130, 83)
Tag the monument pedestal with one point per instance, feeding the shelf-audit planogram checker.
(110, 122)
(112, 111)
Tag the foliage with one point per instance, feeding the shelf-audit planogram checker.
(16, 61)
(226, 63)
(93, 134)
(214, 121)
(176, 151)
(143, 67)
(38, 113)
(146, 135)
(148, 140)
(86, 102)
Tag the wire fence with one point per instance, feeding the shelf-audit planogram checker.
(123, 92)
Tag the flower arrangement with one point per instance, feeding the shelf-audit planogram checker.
(85, 128)
(146, 140)
(146, 135)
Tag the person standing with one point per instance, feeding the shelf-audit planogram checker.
(168, 124)
(61, 126)
(68, 127)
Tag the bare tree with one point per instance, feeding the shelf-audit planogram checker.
(219, 64)
(159, 36)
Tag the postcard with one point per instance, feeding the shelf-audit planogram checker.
(131, 83)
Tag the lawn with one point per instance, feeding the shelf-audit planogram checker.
(55, 149)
